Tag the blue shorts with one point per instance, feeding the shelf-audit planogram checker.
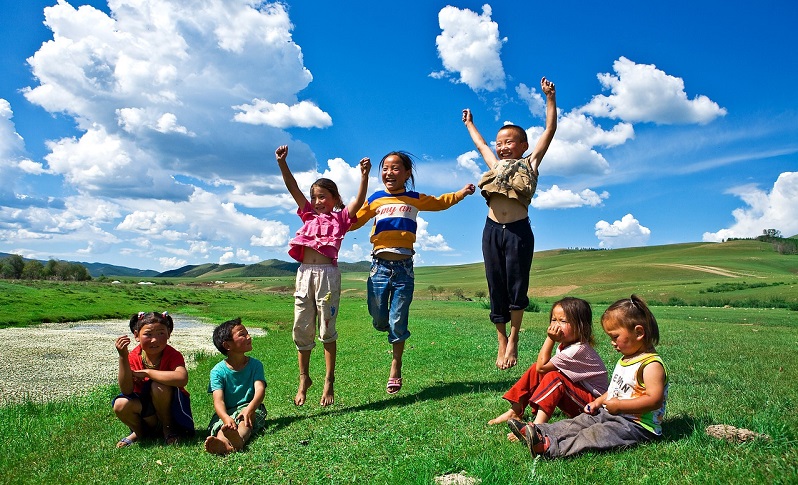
(180, 409)
(507, 250)
(390, 292)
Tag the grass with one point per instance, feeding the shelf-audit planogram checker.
(727, 365)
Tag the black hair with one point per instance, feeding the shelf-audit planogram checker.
(519, 131)
(138, 320)
(224, 332)
(579, 315)
(407, 161)
(632, 312)
(331, 187)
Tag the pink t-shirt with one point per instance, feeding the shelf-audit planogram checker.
(580, 363)
(320, 232)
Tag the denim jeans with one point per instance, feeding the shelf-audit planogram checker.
(390, 291)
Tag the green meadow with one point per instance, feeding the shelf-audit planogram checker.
(729, 334)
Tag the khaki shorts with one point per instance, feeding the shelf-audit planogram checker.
(316, 299)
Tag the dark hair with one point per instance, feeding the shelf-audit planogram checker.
(579, 315)
(330, 187)
(138, 320)
(224, 332)
(407, 161)
(631, 312)
(518, 130)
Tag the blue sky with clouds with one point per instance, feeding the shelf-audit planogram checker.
(142, 133)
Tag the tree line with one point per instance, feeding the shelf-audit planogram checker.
(15, 267)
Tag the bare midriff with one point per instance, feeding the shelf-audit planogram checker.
(505, 210)
(393, 256)
(311, 256)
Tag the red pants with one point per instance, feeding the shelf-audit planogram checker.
(547, 392)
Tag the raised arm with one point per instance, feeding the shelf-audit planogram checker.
(365, 168)
(551, 123)
(553, 335)
(125, 376)
(290, 182)
(482, 146)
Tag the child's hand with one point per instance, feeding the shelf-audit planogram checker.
(246, 417)
(554, 332)
(229, 423)
(467, 116)
(121, 345)
(468, 189)
(281, 153)
(547, 87)
(612, 405)
(591, 408)
(365, 167)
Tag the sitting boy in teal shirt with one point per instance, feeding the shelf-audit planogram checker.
(238, 386)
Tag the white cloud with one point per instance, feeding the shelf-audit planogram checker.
(532, 98)
(557, 198)
(164, 81)
(303, 115)
(777, 209)
(643, 93)
(171, 263)
(356, 253)
(575, 127)
(468, 162)
(627, 232)
(469, 46)
(427, 241)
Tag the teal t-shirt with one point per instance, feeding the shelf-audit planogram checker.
(238, 386)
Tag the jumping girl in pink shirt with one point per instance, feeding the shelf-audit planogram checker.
(318, 280)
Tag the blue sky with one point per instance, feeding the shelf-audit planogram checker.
(142, 133)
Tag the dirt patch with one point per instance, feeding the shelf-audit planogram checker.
(56, 360)
(553, 290)
(734, 435)
(709, 269)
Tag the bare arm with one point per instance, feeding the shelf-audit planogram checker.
(174, 378)
(482, 146)
(290, 182)
(365, 168)
(221, 410)
(554, 335)
(125, 376)
(551, 123)
(248, 414)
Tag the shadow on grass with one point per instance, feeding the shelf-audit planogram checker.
(436, 392)
(678, 428)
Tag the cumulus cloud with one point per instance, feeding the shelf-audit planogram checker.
(557, 198)
(468, 162)
(356, 253)
(167, 85)
(533, 99)
(643, 93)
(280, 115)
(777, 209)
(427, 241)
(469, 47)
(628, 232)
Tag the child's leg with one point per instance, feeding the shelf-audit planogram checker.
(219, 444)
(328, 395)
(602, 431)
(129, 412)
(519, 395)
(303, 357)
(162, 401)
(511, 351)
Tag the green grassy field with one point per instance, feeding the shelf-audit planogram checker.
(732, 365)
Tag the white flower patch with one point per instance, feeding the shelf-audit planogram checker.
(56, 360)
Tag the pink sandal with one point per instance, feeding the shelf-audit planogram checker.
(394, 384)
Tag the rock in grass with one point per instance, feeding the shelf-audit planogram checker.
(734, 435)
(457, 479)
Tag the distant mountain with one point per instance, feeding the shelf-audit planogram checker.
(99, 269)
(268, 268)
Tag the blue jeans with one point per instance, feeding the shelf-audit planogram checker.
(390, 291)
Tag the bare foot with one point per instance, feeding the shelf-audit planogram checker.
(218, 447)
(510, 355)
(503, 418)
(235, 439)
(512, 437)
(328, 395)
(500, 355)
(304, 383)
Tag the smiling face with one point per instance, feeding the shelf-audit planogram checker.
(394, 174)
(153, 338)
(240, 340)
(509, 144)
(322, 200)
